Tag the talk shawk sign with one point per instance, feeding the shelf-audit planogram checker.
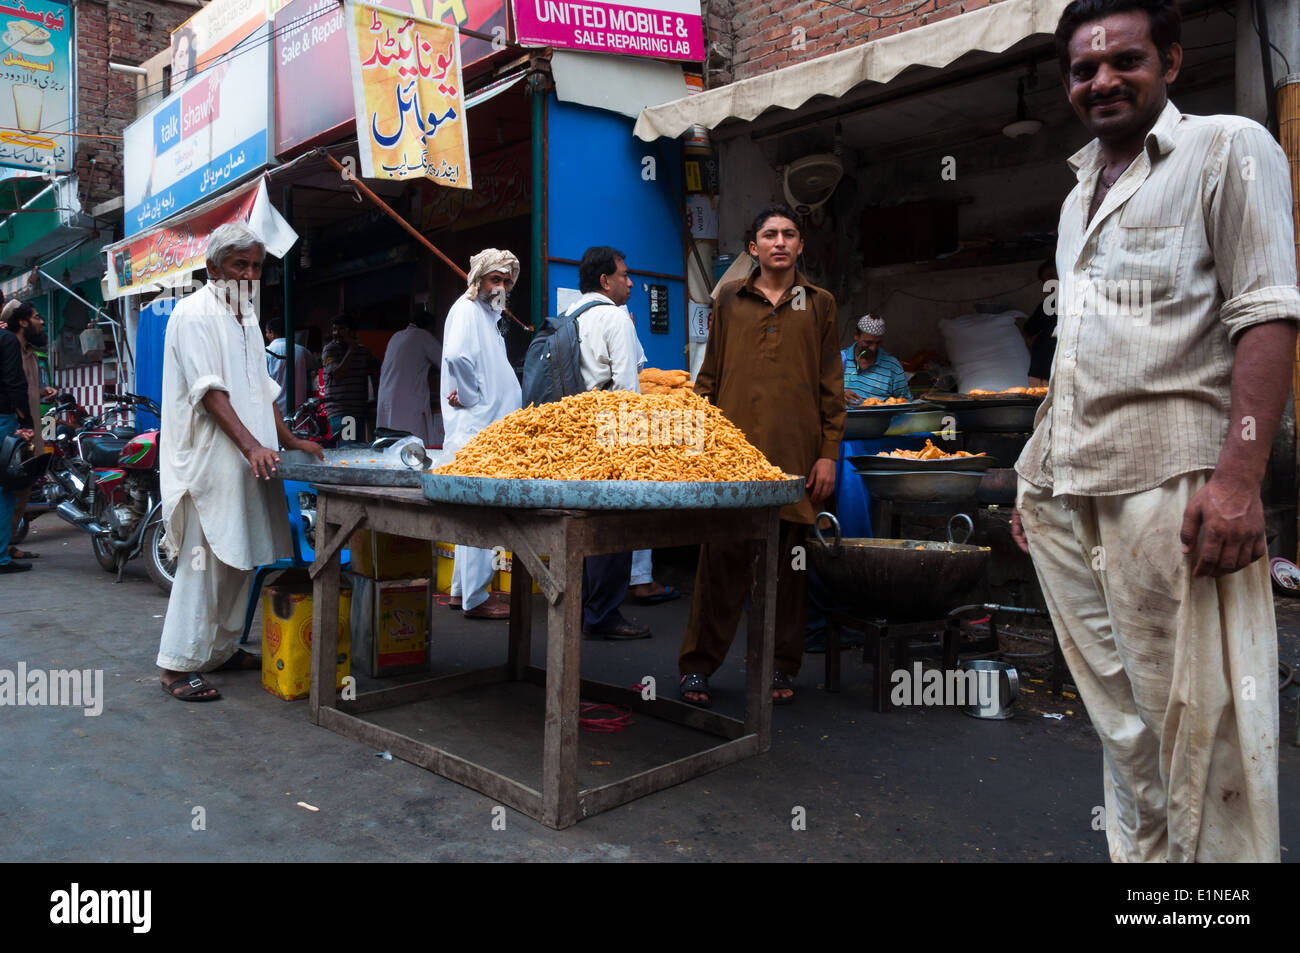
(665, 29)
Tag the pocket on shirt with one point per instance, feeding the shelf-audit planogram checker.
(1147, 261)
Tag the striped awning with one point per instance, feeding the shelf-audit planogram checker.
(20, 285)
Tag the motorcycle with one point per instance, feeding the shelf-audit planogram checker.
(66, 416)
(108, 478)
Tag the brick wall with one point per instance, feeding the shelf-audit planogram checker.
(120, 31)
(751, 37)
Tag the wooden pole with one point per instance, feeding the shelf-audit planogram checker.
(1288, 126)
(411, 229)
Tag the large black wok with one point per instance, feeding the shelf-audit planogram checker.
(901, 580)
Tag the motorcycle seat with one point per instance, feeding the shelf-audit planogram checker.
(103, 451)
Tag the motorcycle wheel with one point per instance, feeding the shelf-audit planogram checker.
(161, 569)
(105, 554)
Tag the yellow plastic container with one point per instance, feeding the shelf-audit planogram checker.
(286, 641)
(381, 556)
(501, 579)
(402, 632)
(446, 555)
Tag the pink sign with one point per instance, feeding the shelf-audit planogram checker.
(666, 29)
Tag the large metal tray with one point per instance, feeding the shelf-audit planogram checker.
(1002, 418)
(874, 462)
(352, 467)
(967, 402)
(611, 494)
(864, 423)
(944, 486)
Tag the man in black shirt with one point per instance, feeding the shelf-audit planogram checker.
(15, 415)
(1038, 330)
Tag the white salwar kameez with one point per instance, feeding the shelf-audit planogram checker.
(475, 365)
(404, 385)
(221, 519)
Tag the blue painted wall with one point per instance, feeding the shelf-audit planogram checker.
(596, 196)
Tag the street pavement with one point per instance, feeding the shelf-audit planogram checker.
(916, 784)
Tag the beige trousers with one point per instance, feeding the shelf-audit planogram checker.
(1179, 674)
(205, 613)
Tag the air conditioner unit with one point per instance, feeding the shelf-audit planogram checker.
(811, 181)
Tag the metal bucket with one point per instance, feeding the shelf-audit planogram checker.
(1005, 688)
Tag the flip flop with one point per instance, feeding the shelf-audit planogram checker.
(195, 684)
(668, 595)
(241, 661)
(16, 553)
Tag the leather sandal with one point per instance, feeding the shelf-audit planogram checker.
(696, 684)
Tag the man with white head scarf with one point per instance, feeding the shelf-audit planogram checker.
(225, 514)
(479, 387)
(869, 371)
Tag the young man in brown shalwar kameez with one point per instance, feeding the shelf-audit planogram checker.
(772, 365)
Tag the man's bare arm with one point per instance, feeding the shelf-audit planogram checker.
(1224, 521)
(262, 459)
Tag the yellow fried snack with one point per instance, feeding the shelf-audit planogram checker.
(928, 452)
(1009, 392)
(614, 435)
(878, 402)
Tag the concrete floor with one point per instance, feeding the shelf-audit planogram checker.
(924, 784)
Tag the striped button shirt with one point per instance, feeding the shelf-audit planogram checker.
(1192, 246)
(884, 378)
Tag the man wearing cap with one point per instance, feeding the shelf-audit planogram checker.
(479, 387)
(869, 370)
(225, 513)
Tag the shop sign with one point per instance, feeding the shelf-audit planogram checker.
(36, 90)
(313, 97)
(407, 97)
(155, 257)
(215, 30)
(666, 29)
(501, 191)
(207, 135)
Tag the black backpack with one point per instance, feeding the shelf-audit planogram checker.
(552, 367)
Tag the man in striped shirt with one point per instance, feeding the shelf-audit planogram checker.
(1140, 487)
(869, 370)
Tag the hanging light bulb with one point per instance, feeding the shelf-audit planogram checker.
(1023, 126)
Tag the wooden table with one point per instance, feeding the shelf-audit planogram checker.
(567, 537)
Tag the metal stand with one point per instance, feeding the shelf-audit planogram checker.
(567, 537)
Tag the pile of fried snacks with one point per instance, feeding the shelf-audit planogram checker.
(1026, 391)
(928, 452)
(614, 435)
(877, 402)
(655, 381)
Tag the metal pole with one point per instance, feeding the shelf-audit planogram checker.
(290, 350)
(537, 86)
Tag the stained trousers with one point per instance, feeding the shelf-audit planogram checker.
(722, 583)
(205, 613)
(1179, 673)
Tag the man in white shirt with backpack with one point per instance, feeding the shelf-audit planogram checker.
(609, 355)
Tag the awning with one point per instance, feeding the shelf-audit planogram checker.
(621, 84)
(992, 29)
(18, 285)
(166, 255)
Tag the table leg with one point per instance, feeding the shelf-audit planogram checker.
(563, 661)
(521, 619)
(760, 637)
(324, 623)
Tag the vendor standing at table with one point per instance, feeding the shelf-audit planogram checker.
(869, 370)
(772, 367)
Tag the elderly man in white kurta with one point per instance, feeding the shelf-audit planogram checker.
(404, 381)
(220, 430)
(479, 387)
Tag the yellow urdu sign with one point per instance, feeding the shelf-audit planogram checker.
(407, 93)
